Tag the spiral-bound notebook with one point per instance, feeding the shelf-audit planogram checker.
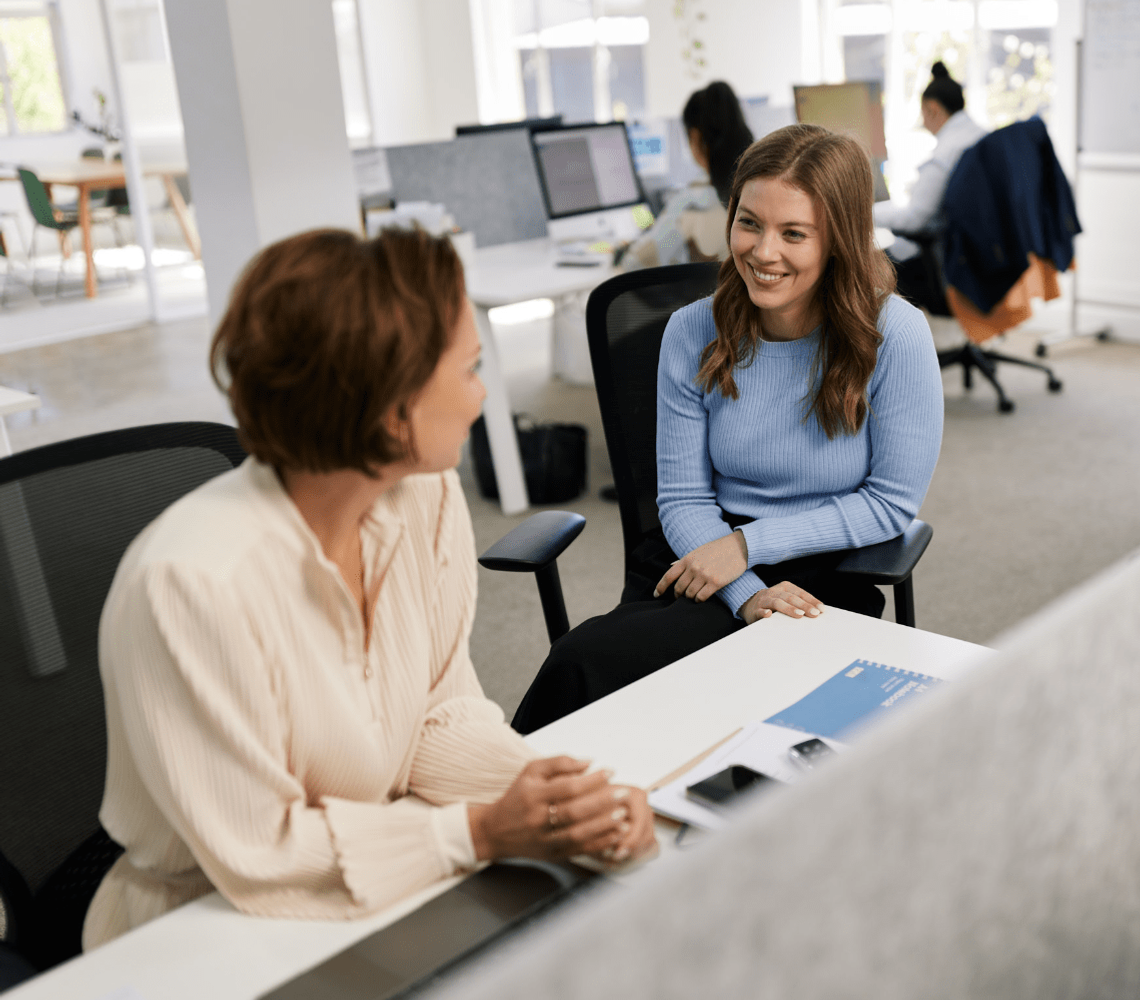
(853, 698)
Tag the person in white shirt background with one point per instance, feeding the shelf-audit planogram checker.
(944, 116)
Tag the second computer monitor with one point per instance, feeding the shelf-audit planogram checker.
(585, 168)
(854, 108)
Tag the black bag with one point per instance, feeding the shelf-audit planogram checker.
(553, 458)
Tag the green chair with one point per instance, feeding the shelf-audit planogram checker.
(45, 214)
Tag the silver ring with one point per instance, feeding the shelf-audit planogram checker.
(552, 815)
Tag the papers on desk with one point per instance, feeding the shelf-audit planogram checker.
(759, 745)
(584, 253)
(860, 694)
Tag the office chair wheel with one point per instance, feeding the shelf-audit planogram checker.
(1005, 405)
(1041, 351)
(1056, 385)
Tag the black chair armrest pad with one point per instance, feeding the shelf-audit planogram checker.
(923, 237)
(535, 543)
(892, 561)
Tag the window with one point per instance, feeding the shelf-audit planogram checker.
(29, 70)
(999, 50)
(581, 58)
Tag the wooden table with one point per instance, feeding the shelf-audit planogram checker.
(95, 175)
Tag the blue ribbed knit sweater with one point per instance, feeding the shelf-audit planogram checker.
(755, 456)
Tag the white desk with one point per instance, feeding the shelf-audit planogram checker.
(13, 401)
(500, 276)
(207, 949)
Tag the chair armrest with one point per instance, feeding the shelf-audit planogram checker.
(923, 237)
(892, 561)
(535, 543)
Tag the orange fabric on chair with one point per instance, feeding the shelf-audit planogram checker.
(1038, 282)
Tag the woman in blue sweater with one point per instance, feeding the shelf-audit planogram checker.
(799, 414)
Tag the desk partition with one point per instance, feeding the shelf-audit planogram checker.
(487, 181)
(984, 844)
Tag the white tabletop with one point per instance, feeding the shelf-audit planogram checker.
(208, 949)
(515, 272)
(647, 730)
(13, 401)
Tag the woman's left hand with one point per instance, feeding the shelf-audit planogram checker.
(706, 569)
(636, 836)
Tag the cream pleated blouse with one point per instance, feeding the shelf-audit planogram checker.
(254, 745)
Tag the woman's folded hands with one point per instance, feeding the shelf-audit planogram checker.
(555, 809)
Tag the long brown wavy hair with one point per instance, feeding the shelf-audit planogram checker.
(835, 172)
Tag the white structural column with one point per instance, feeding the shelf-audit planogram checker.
(259, 85)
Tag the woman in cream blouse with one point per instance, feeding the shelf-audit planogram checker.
(293, 716)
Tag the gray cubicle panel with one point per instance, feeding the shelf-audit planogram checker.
(487, 181)
(987, 844)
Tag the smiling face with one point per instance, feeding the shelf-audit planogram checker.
(780, 250)
(441, 414)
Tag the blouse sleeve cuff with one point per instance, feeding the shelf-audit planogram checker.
(452, 831)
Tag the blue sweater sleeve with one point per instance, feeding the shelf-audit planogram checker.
(904, 424)
(686, 500)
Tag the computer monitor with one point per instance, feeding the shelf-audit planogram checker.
(854, 108)
(533, 124)
(585, 168)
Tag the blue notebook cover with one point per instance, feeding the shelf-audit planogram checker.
(854, 697)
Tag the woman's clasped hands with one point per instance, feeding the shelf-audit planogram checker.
(554, 809)
(706, 569)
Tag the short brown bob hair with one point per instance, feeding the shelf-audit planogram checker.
(328, 334)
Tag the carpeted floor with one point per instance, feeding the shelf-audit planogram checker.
(1024, 505)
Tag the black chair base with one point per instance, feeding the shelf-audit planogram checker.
(971, 356)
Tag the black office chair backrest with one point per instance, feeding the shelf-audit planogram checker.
(68, 511)
(625, 319)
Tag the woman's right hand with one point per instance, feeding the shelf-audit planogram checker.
(553, 810)
(786, 598)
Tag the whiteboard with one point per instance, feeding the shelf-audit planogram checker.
(1110, 77)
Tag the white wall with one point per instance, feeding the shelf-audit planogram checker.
(759, 46)
(420, 65)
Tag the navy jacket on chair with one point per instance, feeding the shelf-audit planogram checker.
(1007, 198)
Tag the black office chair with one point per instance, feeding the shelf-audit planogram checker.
(68, 511)
(625, 320)
(931, 294)
(1007, 197)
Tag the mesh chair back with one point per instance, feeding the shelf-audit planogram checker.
(39, 204)
(68, 511)
(625, 319)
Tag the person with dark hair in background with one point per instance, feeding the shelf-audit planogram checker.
(944, 116)
(691, 225)
(799, 414)
(293, 716)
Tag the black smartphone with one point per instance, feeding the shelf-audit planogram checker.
(809, 753)
(721, 788)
